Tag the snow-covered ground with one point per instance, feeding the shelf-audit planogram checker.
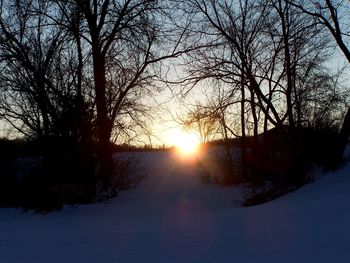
(173, 217)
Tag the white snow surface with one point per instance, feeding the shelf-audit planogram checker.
(171, 216)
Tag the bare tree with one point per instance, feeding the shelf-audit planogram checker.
(266, 48)
(203, 121)
(126, 40)
(236, 49)
(31, 86)
(333, 16)
(58, 47)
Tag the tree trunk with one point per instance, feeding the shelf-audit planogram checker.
(284, 15)
(255, 120)
(344, 134)
(103, 123)
(243, 139)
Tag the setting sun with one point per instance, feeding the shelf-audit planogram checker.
(186, 142)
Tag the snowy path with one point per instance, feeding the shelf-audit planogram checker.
(172, 217)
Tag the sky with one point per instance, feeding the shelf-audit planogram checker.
(165, 129)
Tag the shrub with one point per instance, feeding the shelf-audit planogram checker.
(284, 161)
(221, 166)
(128, 172)
(44, 177)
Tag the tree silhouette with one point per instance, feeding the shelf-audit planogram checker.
(333, 16)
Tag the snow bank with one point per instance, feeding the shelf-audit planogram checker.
(172, 217)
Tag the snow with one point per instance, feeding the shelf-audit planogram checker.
(171, 216)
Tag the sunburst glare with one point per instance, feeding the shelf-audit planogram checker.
(187, 143)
